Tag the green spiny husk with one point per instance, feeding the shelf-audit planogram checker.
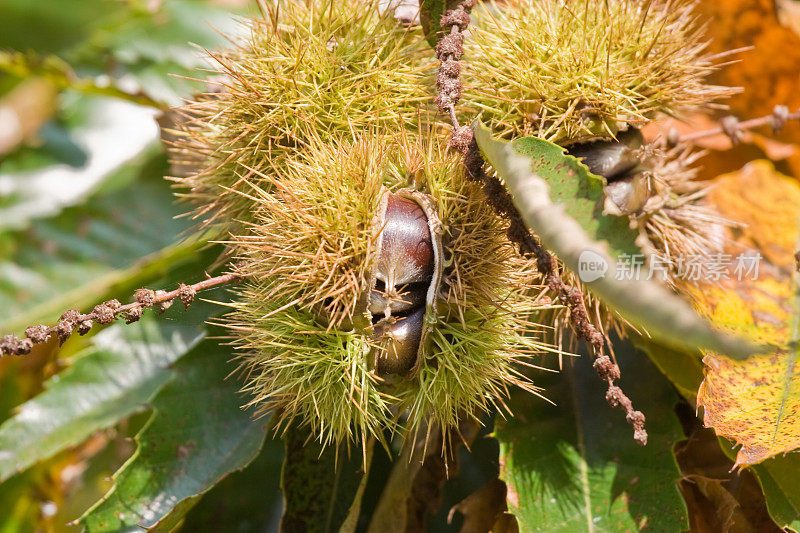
(579, 70)
(305, 69)
(309, 363)
(676, 221)
(572, 70)
(294, 156)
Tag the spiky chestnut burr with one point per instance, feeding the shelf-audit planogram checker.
(576, 70)
(449, 52)
(653, 187)
(356, 238)
(657, 189)
(303, 73)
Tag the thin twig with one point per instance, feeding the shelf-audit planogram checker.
(107, 312)
(609, 372)
(731, 126)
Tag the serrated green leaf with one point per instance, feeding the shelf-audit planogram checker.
(569, 219)
(167, 267)
(322, 487)
(249, 501)
(580, 193)
(197, 435)
(574, 466)
(121, 372)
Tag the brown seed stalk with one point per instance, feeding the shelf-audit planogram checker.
(107, 312)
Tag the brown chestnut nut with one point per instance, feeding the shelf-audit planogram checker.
(405, 257)
(404, 298)
(405, 281)
(611, 159)
(627, 195)
(399, 343)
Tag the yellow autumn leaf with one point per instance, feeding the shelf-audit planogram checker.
(756, 402)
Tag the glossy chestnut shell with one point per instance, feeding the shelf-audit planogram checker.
(405, 281)
(613, 159)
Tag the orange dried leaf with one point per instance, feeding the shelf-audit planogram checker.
(756, 402)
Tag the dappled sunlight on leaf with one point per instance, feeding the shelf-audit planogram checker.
(44, 192)
(756, 403)
(573, 466)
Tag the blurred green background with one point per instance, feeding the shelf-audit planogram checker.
(86, 215)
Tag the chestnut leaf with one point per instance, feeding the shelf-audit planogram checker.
(562, 203)
(570, 465)
(114, 379)
(198, 434)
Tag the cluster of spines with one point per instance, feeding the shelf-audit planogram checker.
(310, 68)
(311, 368)
(306, 374)
(573, 70)
(312, 226)
(675, 221)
